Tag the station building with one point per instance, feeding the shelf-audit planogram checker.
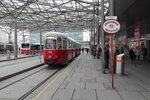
(135, 24)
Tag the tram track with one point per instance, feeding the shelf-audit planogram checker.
(20, 72)
(45, 72)
(38, 85)
(1, 88)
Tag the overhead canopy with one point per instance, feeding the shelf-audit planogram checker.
(48, 15)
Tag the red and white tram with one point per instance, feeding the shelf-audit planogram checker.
(27, 48)
(59, 49)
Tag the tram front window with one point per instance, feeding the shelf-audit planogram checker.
(50, 44)
(25, 45)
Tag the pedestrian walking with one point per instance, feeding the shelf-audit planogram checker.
(132, 55)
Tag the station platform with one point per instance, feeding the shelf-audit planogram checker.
(84, 80)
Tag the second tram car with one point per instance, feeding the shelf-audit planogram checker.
(59, 49)
(27, 48)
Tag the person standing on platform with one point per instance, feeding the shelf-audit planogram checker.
(87, 50)
(107, 58)
(82, 50)
(121, 50)
(132, 55)
(117, 51)
(99, 50)
(138, 53)
(144, 53)
(94, 52)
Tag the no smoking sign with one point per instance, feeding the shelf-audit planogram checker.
(111, 26)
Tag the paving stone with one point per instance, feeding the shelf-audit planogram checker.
(63, 94)
(146, 95)
(108, 95)
(84, 95)
(131, 95)
(88, 79)
(117, 86)
(95, 86)
(75, 85)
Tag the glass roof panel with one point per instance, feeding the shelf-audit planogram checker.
(36, 13)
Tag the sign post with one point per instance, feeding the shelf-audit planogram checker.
(111, 27)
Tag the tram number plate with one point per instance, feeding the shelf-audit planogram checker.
(49, 51)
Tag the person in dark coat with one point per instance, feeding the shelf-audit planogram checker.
(82, 50)
(117, 51)
(144, 53)
(94, 52)
(100, 51)
(87, 50)
(121, 50)
(107, 58)
(132, 55)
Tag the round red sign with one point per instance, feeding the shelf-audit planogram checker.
(111, 26)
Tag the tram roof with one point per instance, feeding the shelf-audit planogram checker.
(57, 34)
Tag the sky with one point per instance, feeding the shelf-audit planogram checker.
(86, 35)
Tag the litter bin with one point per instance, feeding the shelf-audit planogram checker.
(120, 64)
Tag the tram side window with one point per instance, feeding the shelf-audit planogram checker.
(74, 45)
(32, 47)
(1, 48)
(59, 43)
(64, 43)
(69, 44)
(50, 44)
(35, 47)
(38, 47)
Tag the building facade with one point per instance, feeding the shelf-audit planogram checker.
(135, 30)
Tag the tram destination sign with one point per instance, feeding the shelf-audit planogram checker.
(111, 26)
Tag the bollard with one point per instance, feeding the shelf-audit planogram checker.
(120, 64)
